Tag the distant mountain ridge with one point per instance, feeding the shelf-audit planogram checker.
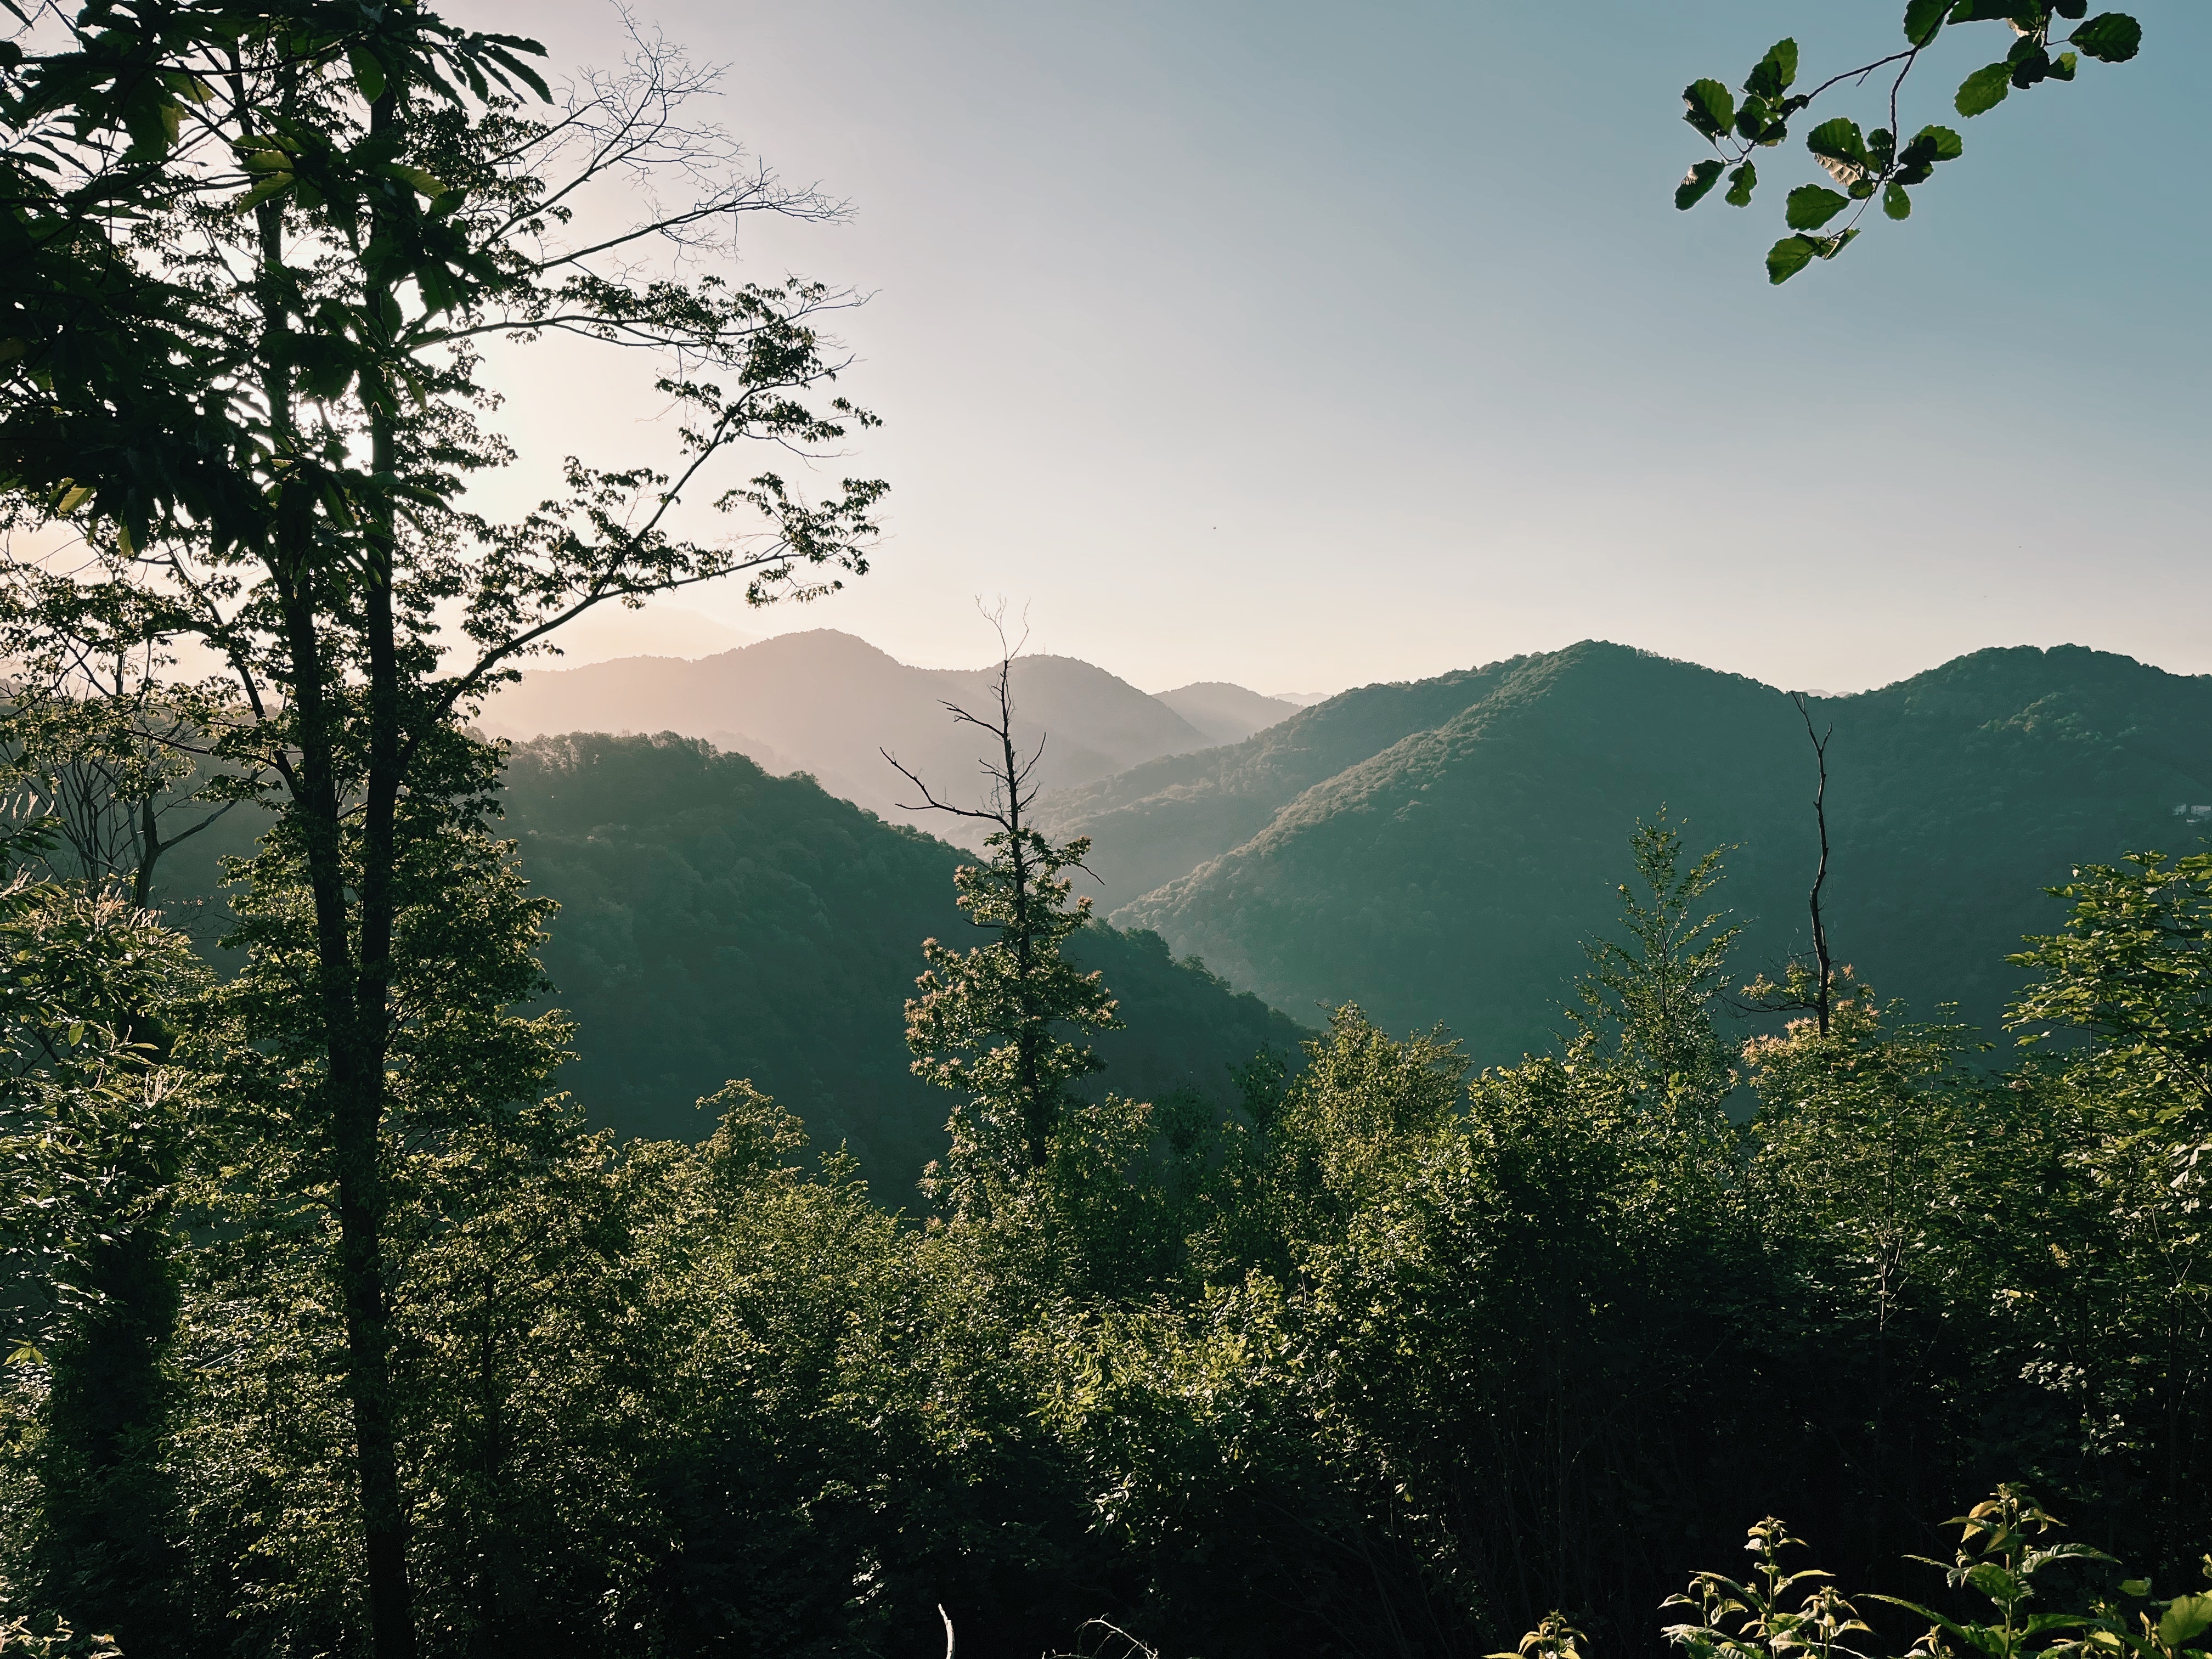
(1437, 850)
(825, 703)
(1226, 713)
(1161, 819)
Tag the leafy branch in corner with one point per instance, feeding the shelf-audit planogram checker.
(1873, 164)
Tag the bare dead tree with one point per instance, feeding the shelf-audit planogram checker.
(1823, 989)
(1007, 772)
(1802, 988)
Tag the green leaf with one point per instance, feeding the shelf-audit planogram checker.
(275, 185)
(1771, 76)
(1984, 90)
(1790, 256)
(25, 1354)
(1895, 201)
(2135, 1587)
(522, 72)
(426, 183)
(368, 71)
(72, 498)
(1709, 106)
(1922, 19)
(1811, 206)
(2185, 1618)
(1838, 147)
(2063, 65)
(2112, 37)
(1742, 183)
(1948, 145)
(1696, 183)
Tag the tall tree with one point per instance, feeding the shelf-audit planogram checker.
(1656, 988)
(95, 1119)
(254, 256)
(989, 1021)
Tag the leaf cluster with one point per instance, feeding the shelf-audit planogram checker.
(1879, 162)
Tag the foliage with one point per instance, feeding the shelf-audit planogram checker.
(1656, 987)
(1880, 162)
(1774, 1613)
(1381, 1357)
(984, 1023)
(97, 1118)
(60, 1642)
(349, 1335)
(2131, 973)
(253, 256)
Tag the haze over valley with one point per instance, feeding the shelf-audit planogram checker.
(829, 704)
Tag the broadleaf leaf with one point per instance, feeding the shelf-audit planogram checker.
(1696, 183)
(1984, 90)
(2112, 36)
(1811, 206)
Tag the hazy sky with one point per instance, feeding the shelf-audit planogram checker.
(1311, 345)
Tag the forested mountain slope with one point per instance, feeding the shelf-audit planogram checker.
(825, 703)
(1163, 819)
(1434, 851)
(717, 923)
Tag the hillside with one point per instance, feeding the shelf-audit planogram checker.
(1435, 850)
(717, 923)
(826, 703)
(1161, 820)
(1226, 712)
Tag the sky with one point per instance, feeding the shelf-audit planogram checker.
(1307, 346)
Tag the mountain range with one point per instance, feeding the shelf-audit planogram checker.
(827, 704)
(1439, 850)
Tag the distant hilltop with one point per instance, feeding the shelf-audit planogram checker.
(826, 703)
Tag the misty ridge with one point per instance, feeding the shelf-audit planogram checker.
(826, 703)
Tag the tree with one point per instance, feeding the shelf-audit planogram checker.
(2129, 981)
(986, 1022)
(96, 1119)
(253, 255)
(1881, 163)
(1655, 990)
(2133, 972)
(1808, 986)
